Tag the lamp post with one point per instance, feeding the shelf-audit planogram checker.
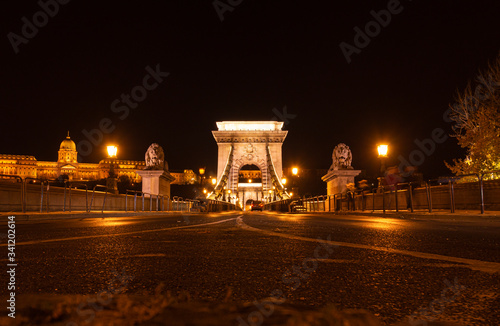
(283, 183)
(295, 187)
(111, 181)
(202, 175)
(201, 171)
(382, 154)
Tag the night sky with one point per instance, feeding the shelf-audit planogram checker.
(264, 55)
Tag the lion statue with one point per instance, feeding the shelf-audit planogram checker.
(155, 158)
(342, 157)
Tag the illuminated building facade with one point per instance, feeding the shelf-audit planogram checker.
(67, 165)
(187, 177)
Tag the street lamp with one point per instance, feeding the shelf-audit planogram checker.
(112, 151)
(214, 181)
(382, 154)
(294, 186)
(111, 182)
(382, 150)
(202, 176)
(283, 181)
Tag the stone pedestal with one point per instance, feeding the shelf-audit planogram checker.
(336, 180)
(156, 182)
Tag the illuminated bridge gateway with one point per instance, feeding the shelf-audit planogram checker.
(249, 162)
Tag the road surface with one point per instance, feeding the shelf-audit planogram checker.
(442, 270)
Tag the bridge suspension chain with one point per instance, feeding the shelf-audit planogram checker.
(278, 186)
(223, 181)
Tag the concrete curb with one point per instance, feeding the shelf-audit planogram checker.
(458, 215)
(80, 215)
(422, 215)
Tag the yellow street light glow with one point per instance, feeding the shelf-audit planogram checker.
(382, 150)
(291, 194)
(202, 171)
(295, 171)
(249, 180)
(229, 191)
(204, 191)
(283, 181)
(112, 150)
(214, 181)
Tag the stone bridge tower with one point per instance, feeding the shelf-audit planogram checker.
(249, 161)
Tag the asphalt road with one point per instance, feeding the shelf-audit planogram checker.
(444, 270)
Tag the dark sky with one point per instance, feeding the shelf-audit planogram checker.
(264, 55)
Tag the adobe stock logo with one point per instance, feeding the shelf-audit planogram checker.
(40, 19)
(283, 115)
(372, 29)
(221, 7)
(426, 146)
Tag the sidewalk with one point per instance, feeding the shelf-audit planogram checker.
(37, 216)
(421, 214)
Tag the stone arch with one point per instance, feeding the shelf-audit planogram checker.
(250, 172)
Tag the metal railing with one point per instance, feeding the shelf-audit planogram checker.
(279, 205)
(220, 206)
(66, 202)
(151, 198)
(92, 200)
(446, 193)
(22, 190)
(68, 186)
(24, 182)
(176, 203)
(47, 198)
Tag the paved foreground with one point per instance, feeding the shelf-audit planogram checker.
(254, 269)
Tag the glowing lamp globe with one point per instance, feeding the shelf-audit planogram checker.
(382, 150)
(112, 150)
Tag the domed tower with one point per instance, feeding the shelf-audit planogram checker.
(67, 151)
